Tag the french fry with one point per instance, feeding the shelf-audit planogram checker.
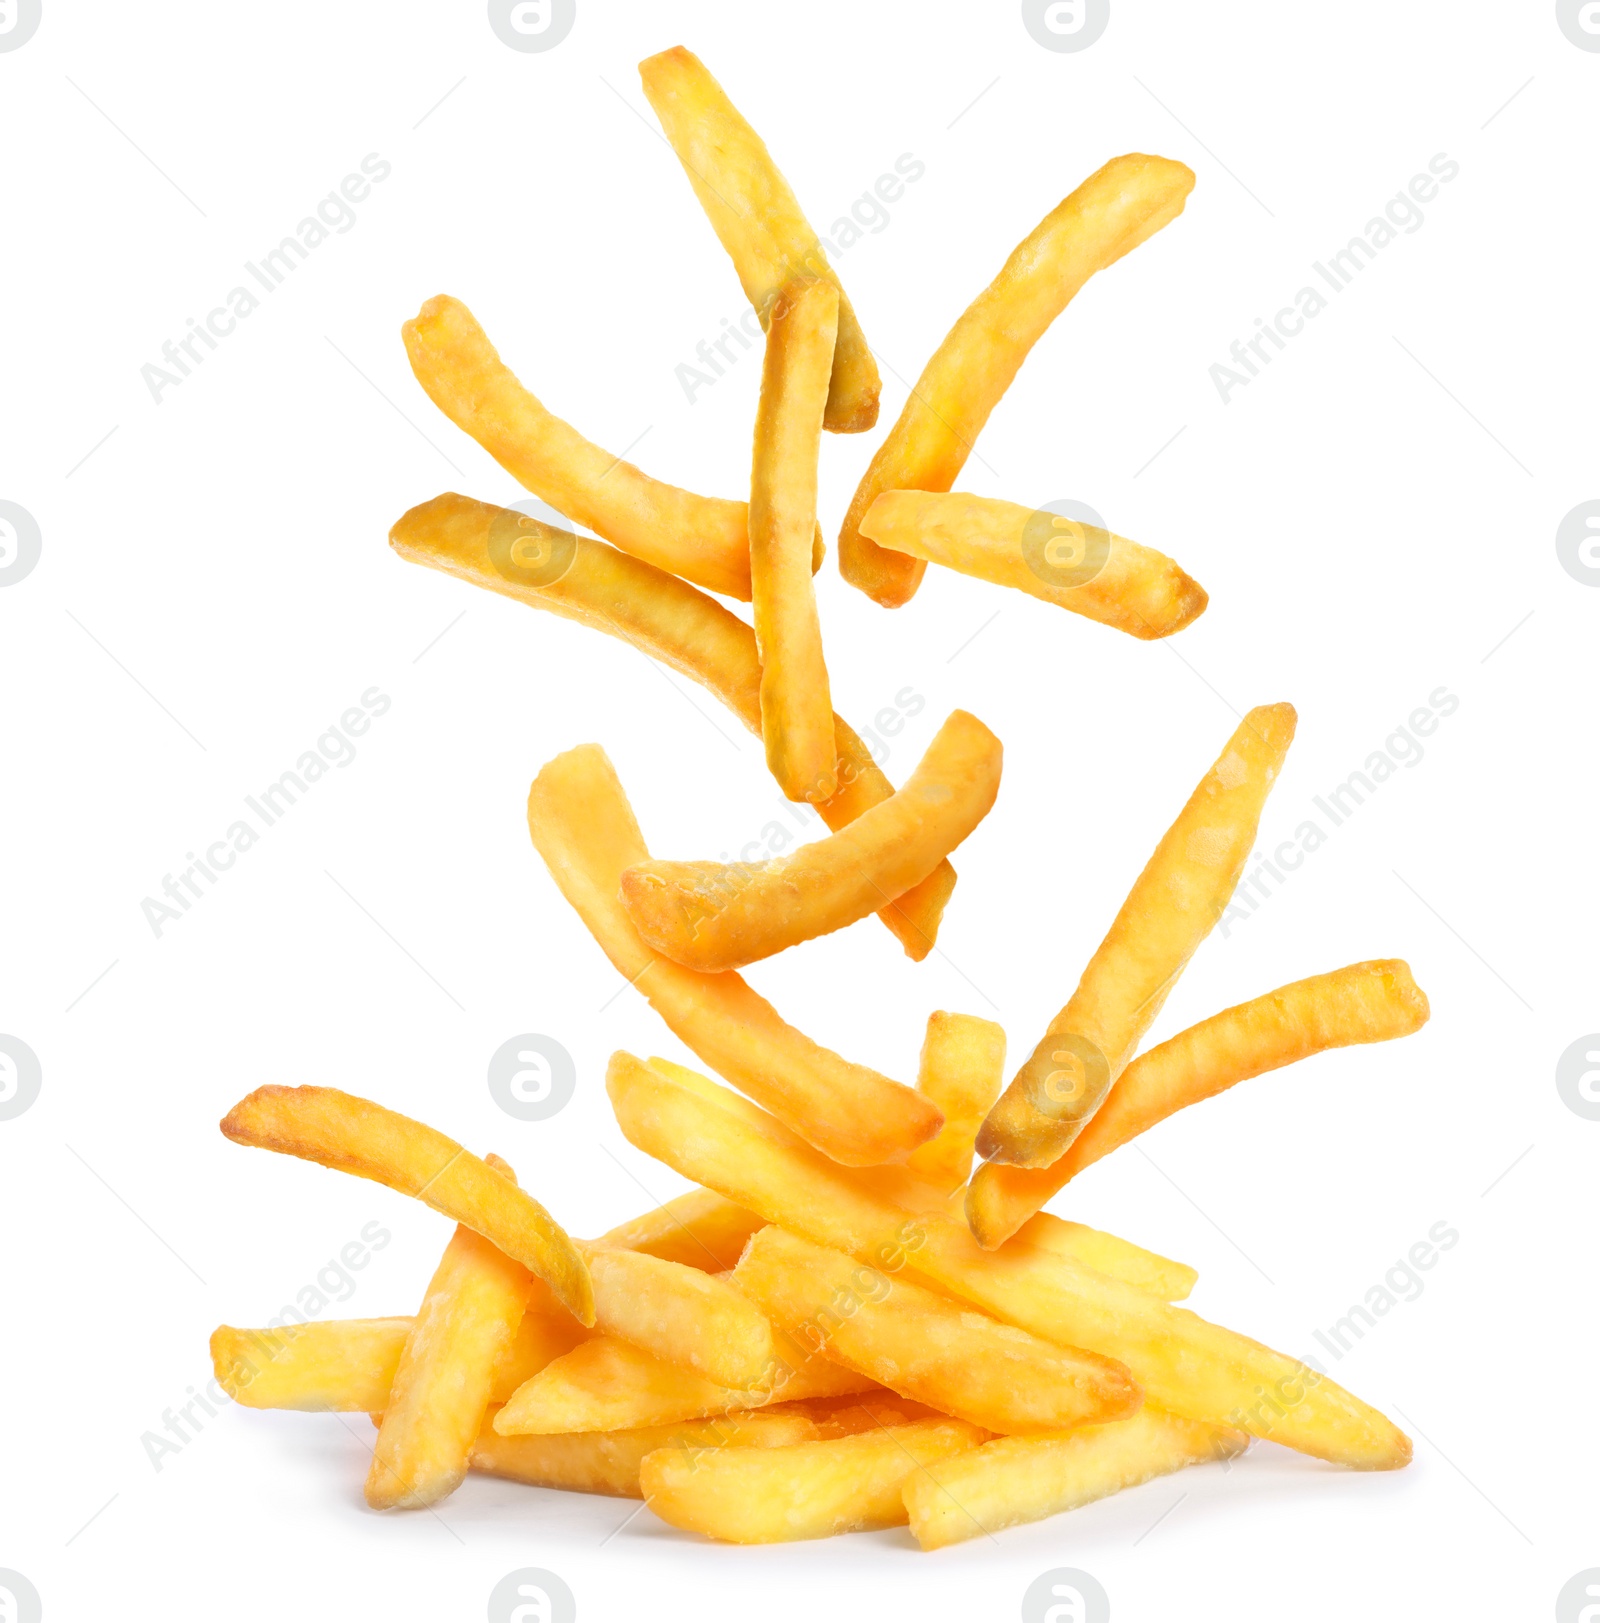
(605, 1384)
(1174, 903)
(466, 1324)
(348, 1365)
(1165, 1279)
(796, 712)
(608, 1461)
(1193, 1368)
(805, 1490)
(1363, 1003)
(584, 829)
(1024, 1479)
(339, 1364)
(699, 1229)
(1113, 211)
(1073, 565)
(680, 1315)
(702, 538)
(354, 1135)
(962, 1067)
(755, 216)
(714, 916)
(665, 617)
(925, 1346)
(1045, 1233)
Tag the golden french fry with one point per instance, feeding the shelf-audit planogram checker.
(340, 1364)
(679, 1315)
(1024, 1479)
(584, 829)
(702, 538)
(608, 1461)
(580, 579)
(348, 1364)
(1363, 1003)
(962, 1067)
(1063, 561)
(1045, 1233)
(466, 1324)
(796, 712)
(355, 1135)
(714, 916)
(605, 1384)
(1113, 211)
(755, 216)
(1185, 1364)
(1106, 1254)
(913, 919)
(699, 1229)
(1173, 904)
(925, 1346)
(804, 1490)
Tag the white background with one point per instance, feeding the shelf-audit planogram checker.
(1374, 518)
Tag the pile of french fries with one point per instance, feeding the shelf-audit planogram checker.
(843, 1325)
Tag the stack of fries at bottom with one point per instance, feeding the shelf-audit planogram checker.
(843, 1326)
(798, 1348)
(838, 1329)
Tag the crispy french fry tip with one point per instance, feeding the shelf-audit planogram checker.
(337, 1365)
(1107, 1254)
(699, 1229)
(679, 1314)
